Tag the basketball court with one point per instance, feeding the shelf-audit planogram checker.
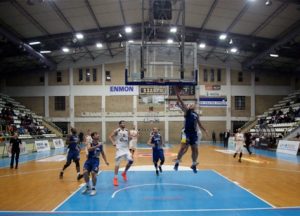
(128, 60)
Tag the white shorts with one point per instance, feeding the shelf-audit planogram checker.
(122, 154)
(239, 147)
(133, 144)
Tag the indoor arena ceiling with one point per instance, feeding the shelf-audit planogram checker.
(256, 28)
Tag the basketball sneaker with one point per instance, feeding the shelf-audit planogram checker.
(160, 169)
(176, 166)
(115, 181)
(194, 167)
(85, 190)
(124, 176)
(93, 192)
(157, 173)
(61, 175)
(79, 176)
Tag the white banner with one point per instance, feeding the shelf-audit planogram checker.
(122, 90)
(288, 147)
(23, 149)
(58, 143)
(42, 145)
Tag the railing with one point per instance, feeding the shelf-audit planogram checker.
(250, 124)
(54, 128)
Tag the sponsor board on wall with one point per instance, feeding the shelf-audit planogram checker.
(122, 90)
(186, 91)
(23, 149)
(42, 145)
(58, 143)
(153, 90)
(212, 101)
(212, 87)
(288, 147)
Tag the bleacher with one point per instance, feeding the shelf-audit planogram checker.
(279, 120)
(19, 112)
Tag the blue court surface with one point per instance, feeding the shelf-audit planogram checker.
(5, 162)
(171, 193)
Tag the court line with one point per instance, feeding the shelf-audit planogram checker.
(164, 184)
(72, 194)
(150, 211)
(244, 189)
(30, 172)
(256, 167)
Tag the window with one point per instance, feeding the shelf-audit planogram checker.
(60, 103)
(212, 75)
(240, 76)
(42, 79)
(219, 74)
(58, 76)
(80, 75)
(87, 75)
(94, 74)
(205, 75)
(107, 76)
(239, 102)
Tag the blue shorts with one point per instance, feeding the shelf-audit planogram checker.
(158, 154)
(92, 164)
(191, 138)
(73, 155)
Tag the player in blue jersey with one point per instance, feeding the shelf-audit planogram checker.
(191, 133)
(73, 153)
(91, 166)
(157, 144)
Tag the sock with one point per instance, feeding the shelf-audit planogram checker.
(177, 161)
(194, 163)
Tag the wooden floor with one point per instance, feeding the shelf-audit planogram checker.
(35, 186)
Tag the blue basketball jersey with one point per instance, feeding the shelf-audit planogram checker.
(73, 143)
(96, 152)
(191, 121)
(156, 140)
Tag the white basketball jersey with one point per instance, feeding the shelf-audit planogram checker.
(121, 138)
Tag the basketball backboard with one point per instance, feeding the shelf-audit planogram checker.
(158, 63)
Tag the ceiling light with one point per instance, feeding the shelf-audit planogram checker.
(34, 43)
(65, 49)
(233, 50)
(45, 51)
(231, 41)
(120, 35)
(130, 41)
(99, 45)
(173, 30)
(268, 2)
(169, 41)
(274, 55)
(202, 45)
(223, 36)
(79, 36)
(128, 29)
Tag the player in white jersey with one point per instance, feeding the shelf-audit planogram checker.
(120, 138)
(239, 143)
(133, 133)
